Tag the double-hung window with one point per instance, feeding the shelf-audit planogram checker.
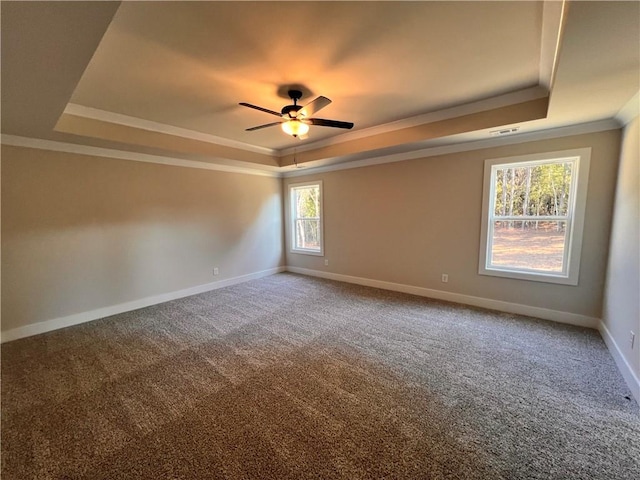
(533, 215)
(305, 209)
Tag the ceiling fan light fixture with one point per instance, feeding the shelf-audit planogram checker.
(295, 128)
(295, 120)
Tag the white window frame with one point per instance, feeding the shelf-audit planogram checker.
(292, 219)
(575, 216)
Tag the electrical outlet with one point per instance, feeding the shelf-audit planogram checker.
(326, 262)
(632, 339)
(216, 271)
(445, 278)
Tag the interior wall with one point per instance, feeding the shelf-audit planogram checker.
(621, 312)
(81, 233)
(411, 221)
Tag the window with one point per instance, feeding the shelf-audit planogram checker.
(533, 214)
(306, 217)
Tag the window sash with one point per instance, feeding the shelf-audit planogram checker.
(530, 218)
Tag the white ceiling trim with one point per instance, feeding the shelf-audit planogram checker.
(309, 168)
(512, 98)
(126, 120)
(40, 144)
(591, 127)
(553, 21)
(630, 110)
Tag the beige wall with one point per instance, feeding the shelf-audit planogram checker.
(622, 293)
(408, 222)
(81, 233)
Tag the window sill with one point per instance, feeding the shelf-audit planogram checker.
(529, 276)
(308, 252)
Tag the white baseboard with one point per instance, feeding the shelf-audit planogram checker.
(627, 372)
(623, 365)
(558, 316)
(538, 312)
(62, 322)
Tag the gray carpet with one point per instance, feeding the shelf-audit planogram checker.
(291, 377)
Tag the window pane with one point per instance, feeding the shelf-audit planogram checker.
(531, 245)
(308, 233)
(307, 202)
(541, 189)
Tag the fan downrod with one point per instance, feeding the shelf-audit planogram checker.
(295, 95)
(292, 110)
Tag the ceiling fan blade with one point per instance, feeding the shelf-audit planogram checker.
(266, 110)
(314, 106)
(262, 126)
(329, 123)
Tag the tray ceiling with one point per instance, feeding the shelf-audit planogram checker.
(165, 78)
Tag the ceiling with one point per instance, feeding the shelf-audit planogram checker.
(165, 78)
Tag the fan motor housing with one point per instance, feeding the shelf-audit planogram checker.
(291, 111)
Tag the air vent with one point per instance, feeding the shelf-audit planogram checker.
(504, 131)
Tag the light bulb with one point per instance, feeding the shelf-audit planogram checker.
(295, 128)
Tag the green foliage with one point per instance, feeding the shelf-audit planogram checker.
(308, 202)
(307, 224)
(533, 190)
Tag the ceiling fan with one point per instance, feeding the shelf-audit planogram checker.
(295, 119)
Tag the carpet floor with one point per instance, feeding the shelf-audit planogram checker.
(293, 377)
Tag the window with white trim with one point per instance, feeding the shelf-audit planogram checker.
(305, 208)
(533, 216)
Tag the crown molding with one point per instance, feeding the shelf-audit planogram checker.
(126, 120)
(554, 16)
(319, 166)
(519, 96)
(630, 110)
(55, 146)
(512, 98)
(591, 127)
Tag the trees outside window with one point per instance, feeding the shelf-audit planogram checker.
(533, 211)
(306, 218)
